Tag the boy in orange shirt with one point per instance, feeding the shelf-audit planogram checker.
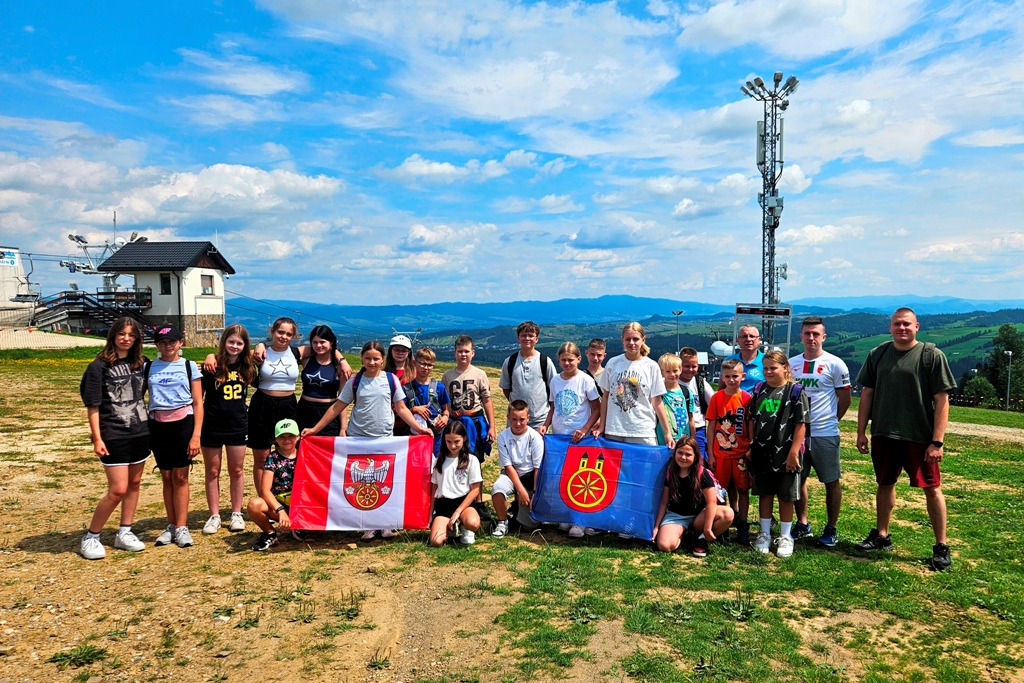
(729, 445)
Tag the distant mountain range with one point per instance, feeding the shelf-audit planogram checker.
(379, 321)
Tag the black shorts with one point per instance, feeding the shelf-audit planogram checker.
(445, 507)
(169, 441)
(221, 440)
(130, 451)
(265, 411)
(310, 412)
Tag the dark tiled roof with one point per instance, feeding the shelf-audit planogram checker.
(136, 256)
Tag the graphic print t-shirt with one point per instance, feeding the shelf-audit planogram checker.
(820, 378)
(631, 386)
(677, 405)
(224, 404)
(571, 398)
(725, 429)
(118, 392)
(775, 416)
(467, 389)
(451, 481)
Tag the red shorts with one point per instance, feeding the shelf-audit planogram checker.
(891, 456)
(733, 472)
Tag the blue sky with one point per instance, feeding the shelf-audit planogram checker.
(414, 152)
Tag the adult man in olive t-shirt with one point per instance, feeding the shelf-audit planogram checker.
(906, 398)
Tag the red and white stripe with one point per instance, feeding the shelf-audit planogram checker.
(318, 500)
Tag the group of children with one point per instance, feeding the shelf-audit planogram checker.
(632, 399)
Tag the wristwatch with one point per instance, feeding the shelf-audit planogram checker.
(937, 444)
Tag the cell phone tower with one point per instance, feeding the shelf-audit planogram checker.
(769, 163)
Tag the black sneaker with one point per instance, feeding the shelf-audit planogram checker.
(941, 559)
(484, 512)
(700, 547)
(263, 543)
(743, 534)
(875, 541)
(800, 530)
(299, 535)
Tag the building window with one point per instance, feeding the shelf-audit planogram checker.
(165, 283)
(207, 285)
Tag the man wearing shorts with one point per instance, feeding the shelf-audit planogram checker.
(826, 381)
(906, 398)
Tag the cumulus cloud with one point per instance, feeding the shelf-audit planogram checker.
(416, 168)
(818, 235)
(551, 203)
(992, 137)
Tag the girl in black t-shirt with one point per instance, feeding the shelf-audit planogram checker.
(689, 501)
(112, 389)
(226, 423)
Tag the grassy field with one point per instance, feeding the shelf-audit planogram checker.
(513, 609)
(977, 416)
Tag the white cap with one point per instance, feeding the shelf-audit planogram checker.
(401, 340)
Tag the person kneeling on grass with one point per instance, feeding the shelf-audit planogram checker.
(454, 484)
(689, 501)
(520, 451)
(274, 501)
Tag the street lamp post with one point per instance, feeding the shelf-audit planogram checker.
(1009, 365)
(677, 314)
(769, 163)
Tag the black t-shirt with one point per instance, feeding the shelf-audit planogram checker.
(224, 404)
(776, 413)
(118, 392)
(684, 504)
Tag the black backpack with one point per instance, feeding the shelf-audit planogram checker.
(545, 363)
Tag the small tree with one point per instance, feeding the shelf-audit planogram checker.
(980, 388)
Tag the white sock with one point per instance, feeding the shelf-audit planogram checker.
(786, 528)
(701, 537)
(89, 534)
(181, 527)
(124, 529)
(766, 525)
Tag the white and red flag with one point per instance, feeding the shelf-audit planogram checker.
(356, 483)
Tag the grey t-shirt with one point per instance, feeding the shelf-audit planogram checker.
(372, 412)
(904, 388)
(527, 384)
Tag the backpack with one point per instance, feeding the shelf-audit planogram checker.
(701, 399)
(392, 383)
(927, 355)
(545, 363)
(410, 392)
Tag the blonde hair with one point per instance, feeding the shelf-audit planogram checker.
(779, 358)
(426, 353)
(637, 327)
(670, 361)
(569, 348)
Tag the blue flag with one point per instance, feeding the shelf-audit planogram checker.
(602, 484)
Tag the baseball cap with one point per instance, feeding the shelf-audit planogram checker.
(286, 427)
(168, 332)
(401, 340)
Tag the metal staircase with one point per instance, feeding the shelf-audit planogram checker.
(103, 307)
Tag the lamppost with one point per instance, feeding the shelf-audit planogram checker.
(769, 163)
(677, 314)
(1009, 365)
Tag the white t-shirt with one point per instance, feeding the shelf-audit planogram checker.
(524, 451)
(820, 379)
(698, 416)
(453, 482)
(571, 398)
(630, 386)
(372, 414)
(527, 384)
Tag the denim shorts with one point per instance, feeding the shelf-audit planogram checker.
(673, 518)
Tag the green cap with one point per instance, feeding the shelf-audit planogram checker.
(286, 427)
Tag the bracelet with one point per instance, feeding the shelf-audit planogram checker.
(279, 508)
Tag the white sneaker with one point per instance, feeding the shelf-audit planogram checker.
(576, 531)
(368, 535)
(500, 528)
(212, 525)
(625, 537)
(167, 537)
(763, 542)
(784, 548)
(92, 549)
(564, 527)
(387, 533)
(468, 537)
(182, 537)
(237, 522)
(128, 541)
(591, 531)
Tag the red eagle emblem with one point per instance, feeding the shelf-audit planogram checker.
(590, 477)
(369, 480)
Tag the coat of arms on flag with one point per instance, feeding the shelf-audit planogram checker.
(600, 483)
(355, 483)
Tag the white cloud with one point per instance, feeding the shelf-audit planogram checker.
(242, 74)
(219, 111)
(797, 28)
(85, 92)
(945, 252)
(818, 235)
(417, 168)
(992, 137)
(551, 203)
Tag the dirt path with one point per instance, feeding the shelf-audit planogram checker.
(1010, 434)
